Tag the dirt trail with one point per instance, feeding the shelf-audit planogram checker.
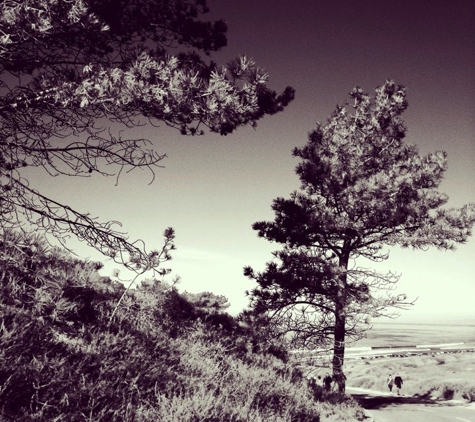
(385, 407)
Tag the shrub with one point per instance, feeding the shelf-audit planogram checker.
(448, 392)
(469, 394)
(160, 358)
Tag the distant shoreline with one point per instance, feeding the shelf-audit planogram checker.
(407, 351)
(441, 324)
(395, 333)
(466, 322)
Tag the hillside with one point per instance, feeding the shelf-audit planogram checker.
(163, 356)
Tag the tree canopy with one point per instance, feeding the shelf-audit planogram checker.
(362, 188)
(75, 74)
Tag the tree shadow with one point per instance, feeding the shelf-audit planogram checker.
(380, 402)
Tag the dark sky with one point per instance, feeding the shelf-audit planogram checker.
(324, 48)
(214, 188)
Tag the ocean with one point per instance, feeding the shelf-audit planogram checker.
(391, 334)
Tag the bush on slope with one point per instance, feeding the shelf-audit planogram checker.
(160, 358)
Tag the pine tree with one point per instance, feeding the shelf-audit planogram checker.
(362, 188)
(70, 69)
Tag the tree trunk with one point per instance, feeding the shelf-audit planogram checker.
(340, 326)
(339, 347)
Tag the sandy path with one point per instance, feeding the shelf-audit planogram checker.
(385, 407)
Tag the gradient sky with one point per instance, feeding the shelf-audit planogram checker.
(213, 188)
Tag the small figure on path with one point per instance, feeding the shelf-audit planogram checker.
(398, 383)
(327, 381)
(311, 382)
(390, 382)
(312, 385)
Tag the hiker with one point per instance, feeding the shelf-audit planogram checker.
(311, 382)
(327, 382)
(390, 382)
(398, 382)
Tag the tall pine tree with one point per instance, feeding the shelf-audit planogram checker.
(362, 188)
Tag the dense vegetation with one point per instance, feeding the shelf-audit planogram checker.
(163, 356)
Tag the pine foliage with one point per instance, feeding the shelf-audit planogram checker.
(76, 76)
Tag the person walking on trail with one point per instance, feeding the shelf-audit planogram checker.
(390, 382)
(327, 381)
(398, 383)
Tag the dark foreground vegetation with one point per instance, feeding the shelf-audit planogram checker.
(164, 356)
